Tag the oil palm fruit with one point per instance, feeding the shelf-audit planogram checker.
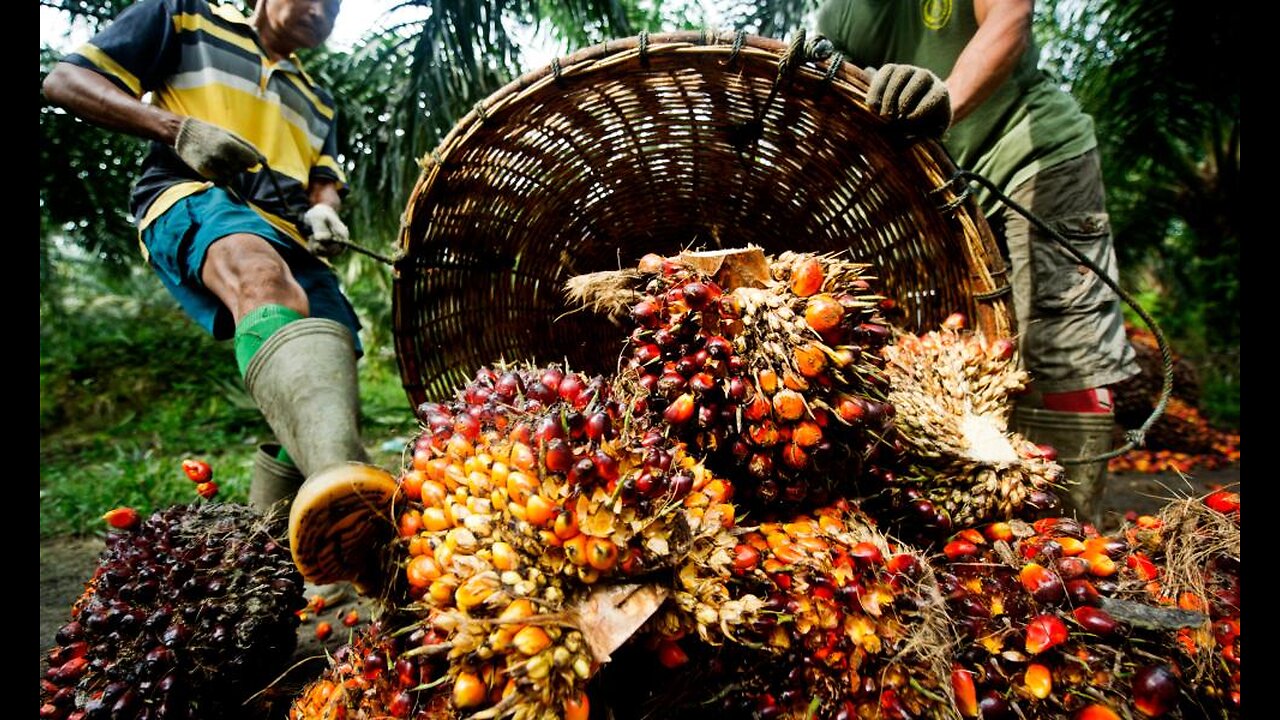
(1057, 620)
(188, 614)
(522, 494)
(817, 615)
(952, 391)
(768, 367)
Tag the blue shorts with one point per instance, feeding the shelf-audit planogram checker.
(178, 240)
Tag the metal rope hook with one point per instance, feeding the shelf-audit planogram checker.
(1134, 438)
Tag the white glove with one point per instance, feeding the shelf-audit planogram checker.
(326, 227)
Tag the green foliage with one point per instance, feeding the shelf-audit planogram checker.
(129, 386)
(85, 177)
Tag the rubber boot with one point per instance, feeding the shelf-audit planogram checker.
(274, 483)
(304, 381)
(1075, 436)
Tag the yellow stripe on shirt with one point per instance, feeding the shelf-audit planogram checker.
(104, 61)
(191, 22)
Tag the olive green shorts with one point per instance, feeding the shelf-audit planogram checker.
(1070, 327)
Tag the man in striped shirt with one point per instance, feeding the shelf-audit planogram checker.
(237, 202)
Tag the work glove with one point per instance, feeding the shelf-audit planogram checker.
(217, 154)
(912, 97)
(326, 228)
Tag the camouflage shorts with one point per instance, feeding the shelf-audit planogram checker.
(1070, 326)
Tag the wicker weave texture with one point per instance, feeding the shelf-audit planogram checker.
(661, 144)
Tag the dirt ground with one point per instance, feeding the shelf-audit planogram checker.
(65, 564)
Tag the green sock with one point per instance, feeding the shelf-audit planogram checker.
(254, 329)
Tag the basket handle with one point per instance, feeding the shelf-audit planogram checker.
(1134, 438)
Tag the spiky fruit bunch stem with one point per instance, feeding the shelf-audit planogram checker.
(953, 391)
(188, 614)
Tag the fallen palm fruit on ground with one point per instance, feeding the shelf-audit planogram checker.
(1059, 621)
(189, 613)
(1181, 439)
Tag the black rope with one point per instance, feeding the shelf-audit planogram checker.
(555, 68)
(739, 38)
(1134, 438)
(836, 61)
(644, 48)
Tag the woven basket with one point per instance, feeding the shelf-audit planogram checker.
(658, 144)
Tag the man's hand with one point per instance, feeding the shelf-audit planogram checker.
(912, 97)
(326, 227)
(215, 153)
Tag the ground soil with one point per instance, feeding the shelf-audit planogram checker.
(67, 563)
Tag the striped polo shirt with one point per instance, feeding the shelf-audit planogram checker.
(205, 61)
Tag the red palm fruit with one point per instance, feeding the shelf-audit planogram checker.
(680, 410)
(957, 549)
(966, 693)
(1039, 680)
(866, 553)
(1142, 566)
(1082, 592)
(794, 456)
(1043, 584)
(851, 410)
(207, 490)
(671, 655)
(323, 631)
(807, 277)
(198, 471)
(557, 456)
(1044, 632)
(1071, 568)
(903, 564)
(1155, 691)
(122, 518)
(1095, 621)
(1223, 501)
(745, 557)
(823, 313)
(352, 618)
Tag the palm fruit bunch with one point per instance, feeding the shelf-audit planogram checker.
(1058, 621)
(188, 614)
(520, 495)
(815, 616)
(957, 462)
(376, 676)
(767, 366)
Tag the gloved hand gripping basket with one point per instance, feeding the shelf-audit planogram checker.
(657, 144)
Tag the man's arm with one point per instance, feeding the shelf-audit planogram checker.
(1004, 33)
(90, 96)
